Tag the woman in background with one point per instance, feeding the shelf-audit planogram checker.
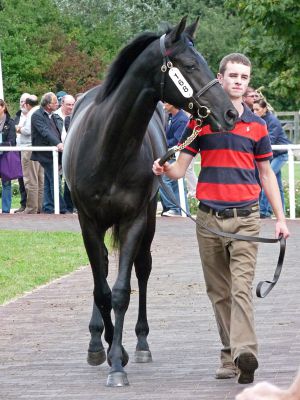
(280, 157)
(7, 138)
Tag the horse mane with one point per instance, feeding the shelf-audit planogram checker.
(121, 64)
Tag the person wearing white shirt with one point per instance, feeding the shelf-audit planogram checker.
(33, 172)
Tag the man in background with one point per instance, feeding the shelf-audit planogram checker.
(46, 132)
(64, 112)
(33, 173)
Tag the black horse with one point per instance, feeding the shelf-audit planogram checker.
(107, 162)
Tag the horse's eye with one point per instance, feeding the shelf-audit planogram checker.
(190, 68)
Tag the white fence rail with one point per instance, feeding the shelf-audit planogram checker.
(291, 148)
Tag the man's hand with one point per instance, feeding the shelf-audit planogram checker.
(281, 228)
(266, 391)
(60, 147)
(158, 169)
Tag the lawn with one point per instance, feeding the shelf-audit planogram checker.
(30, 259)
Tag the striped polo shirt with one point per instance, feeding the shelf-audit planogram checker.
(227, 177)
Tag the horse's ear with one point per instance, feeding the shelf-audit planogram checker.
(191, 29)
(175, 33)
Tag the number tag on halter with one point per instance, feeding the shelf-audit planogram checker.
(183, 86)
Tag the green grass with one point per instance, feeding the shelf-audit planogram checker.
(30, 259)
(285, 172)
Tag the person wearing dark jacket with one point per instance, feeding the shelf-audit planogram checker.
(280, 157)
(7, 138)
(178, 120)
(46, 131)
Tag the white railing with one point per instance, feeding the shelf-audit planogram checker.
(55, 166)
(291, 166)
(292, 193)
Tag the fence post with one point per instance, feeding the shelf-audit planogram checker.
(182, 199)
(55, 181)
(292, 184)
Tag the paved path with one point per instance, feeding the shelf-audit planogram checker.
(44, 335)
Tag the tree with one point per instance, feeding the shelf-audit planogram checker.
(36, 40)
(270, 36)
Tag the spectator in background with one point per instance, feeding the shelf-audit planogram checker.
(64, 112)
(8, 137)
(177, 122)
(250, 96)
(280, 157)
(60, 96)
(46, 132)
(33, 172)
(20, 119)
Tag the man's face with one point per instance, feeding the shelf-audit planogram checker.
(235, 79)
(168, 107)
(250, 97)
(23, 107)
(53, 106)
(67, 105)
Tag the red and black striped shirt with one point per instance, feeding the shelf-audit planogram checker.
(227, 176)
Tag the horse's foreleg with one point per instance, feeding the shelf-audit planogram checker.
(130, 237)
(143, 266)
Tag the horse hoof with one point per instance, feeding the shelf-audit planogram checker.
(142, 356)
(96, 357)
(115, 379)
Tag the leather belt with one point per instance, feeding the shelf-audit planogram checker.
(229, 212)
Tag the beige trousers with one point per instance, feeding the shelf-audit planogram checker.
(33, 176)
(228, 267)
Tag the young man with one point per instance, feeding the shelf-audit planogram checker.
(228, 193)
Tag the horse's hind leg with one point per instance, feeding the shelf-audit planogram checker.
(96, 353)
(143, 266)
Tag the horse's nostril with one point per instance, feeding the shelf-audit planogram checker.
(231, 115)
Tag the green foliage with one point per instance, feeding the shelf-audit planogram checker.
(53, 44)
(270, 36)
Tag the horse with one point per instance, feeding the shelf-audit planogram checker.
(107, 162)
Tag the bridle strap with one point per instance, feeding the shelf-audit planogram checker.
(206, 87)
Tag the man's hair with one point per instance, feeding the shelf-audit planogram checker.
(47, 99)
(32, 100)
(249, 90)
(234, 58)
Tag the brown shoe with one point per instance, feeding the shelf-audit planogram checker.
(247, 364)
(226, 371)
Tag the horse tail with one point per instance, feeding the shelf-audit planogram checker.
(115, 236)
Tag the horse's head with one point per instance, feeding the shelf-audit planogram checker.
(188, 83)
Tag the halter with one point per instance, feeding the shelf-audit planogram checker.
(182, 85)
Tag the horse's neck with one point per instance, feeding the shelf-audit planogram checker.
(134, 106)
